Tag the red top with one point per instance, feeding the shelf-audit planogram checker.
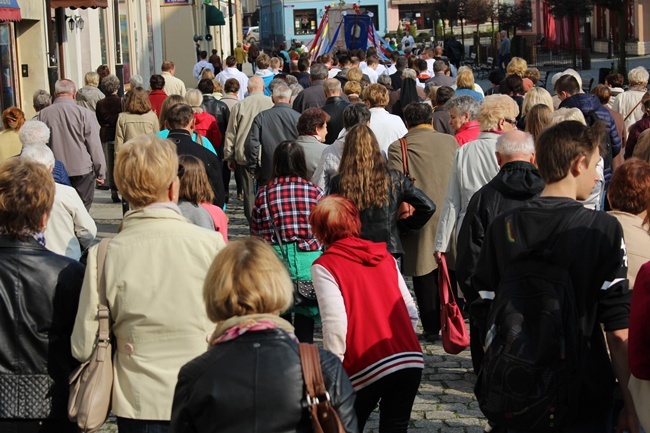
(206, 125)
(468, 132)
(157, 97)
(639, 342)
(380, 337)
(219, 218)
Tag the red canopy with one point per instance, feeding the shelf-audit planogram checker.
(11, 11)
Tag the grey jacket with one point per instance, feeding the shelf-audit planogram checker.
(270, 128)
(88, 96)
(313, 152)
(74, 138)
(441, 79)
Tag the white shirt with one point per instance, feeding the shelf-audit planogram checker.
(391, 69)
(387, 127)
(407, 42)
(200, 66)
(332, 73)
(372, 75)
(223, 76)
(430, 66)
(363, 65)
(381, 69)
(70, 227)
(475, 164)
(173, 85)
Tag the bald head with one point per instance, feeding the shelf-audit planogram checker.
(515, 146)
(332, 87)
(255, 84)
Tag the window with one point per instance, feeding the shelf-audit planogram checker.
(102, 36)
(7, 66)
(304, 22)
(374, 10)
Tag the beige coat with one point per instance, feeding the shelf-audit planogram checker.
(431, 156)
(155, 268)
(240, 122)
(131, 125)
(173, 85)
(637, 242)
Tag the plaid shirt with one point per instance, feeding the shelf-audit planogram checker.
(291, 200)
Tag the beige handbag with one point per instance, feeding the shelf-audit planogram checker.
(91, 384)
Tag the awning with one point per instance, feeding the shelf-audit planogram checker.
(83, 4)
(213, 16)
(10, 11)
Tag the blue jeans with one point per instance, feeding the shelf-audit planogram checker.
(129, 425)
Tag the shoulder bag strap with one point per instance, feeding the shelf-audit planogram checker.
(405, 156)
(272, 221)
(446, 291)
(633, 110)
(103, 311)
(311, 370)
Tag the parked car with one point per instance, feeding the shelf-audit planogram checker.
(253, 35)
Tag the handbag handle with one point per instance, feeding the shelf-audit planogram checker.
(633, 110)
(405, 157)
(311, 370)
(103, 312)
(444, 282)
(275, 228)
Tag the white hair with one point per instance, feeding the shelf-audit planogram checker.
(513, 143)
(638, 75)
(64, 87)
(39, 153)
(569, 71)
(281, 91)
(34, 132)
(409, 73)
(194, 98)
(464, 104)
(563, 114)
(136, 81)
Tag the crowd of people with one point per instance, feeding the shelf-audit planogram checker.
(354, 173)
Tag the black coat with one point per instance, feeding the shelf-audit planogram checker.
(39, 294)
(380, 224)
(334, 106)
(213, 165)
(254, 384)
(396, 80)
(515, 184)
(221, 112)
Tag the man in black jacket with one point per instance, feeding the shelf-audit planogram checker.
(334, 106)
(312, 96)
(517, 182)
(181, 125)
(396, 78)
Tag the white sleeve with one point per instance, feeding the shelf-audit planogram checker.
(450, 207)
(85, 228)
(408, 299)
(332, 310)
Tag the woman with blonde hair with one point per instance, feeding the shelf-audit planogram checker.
(205, 123)
(170, 102)
(233, 388)
(352, 90)
(536, 95)
(89, 95)
(518, 66)
(153, 272)
(378, 192)
(195, 196)
(13, 119)
(465, 85)
(538, 119)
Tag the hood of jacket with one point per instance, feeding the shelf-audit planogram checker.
(585, 102)
(518, 180)
(88, 92)
(359, 250)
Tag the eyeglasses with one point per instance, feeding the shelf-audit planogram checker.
(512, 122)
(181, 171)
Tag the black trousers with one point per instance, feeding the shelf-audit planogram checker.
(395, 394)
(428, 299)
(128, 425)
(304, 327)
(225, 176)
(85, 186)
(37, 426)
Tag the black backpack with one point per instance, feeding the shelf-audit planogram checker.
(529, 377)
(591, 119)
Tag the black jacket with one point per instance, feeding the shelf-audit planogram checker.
(380, 224)
(334, 106)
(515, 184)
(396, 80)
(221, 112)
(186, 146)
(39, 294)
(254, 384)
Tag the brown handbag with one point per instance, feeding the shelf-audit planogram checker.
(324, 418)
(405, 209)
(91, 384)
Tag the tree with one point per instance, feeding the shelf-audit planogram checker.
(447, 10)
(515, 16)
(477, 11)
(619, 9)
(573, 10)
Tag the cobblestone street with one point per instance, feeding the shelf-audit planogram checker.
(445, 401)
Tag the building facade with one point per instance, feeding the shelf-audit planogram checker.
(42, 41)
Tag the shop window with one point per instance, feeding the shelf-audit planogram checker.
(304, 22)
(7, 66)
(374, 10)
(103, 36)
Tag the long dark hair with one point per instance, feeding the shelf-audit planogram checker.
(289, 160)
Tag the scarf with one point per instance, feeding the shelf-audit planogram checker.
(238, 325)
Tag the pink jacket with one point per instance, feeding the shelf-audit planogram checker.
(468, 132)
(219, 218)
